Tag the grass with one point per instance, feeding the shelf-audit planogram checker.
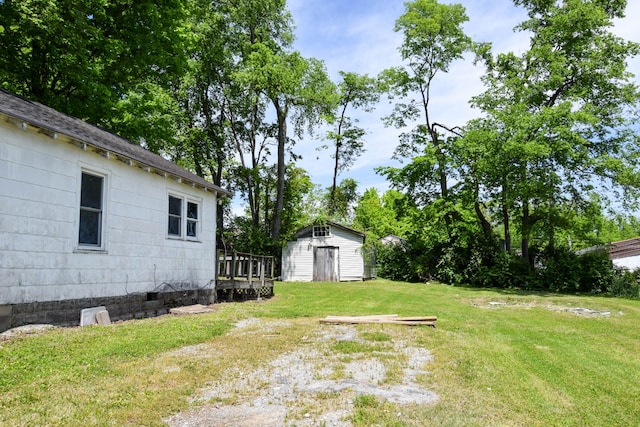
(526, 361)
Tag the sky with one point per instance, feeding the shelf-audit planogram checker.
(358, 36)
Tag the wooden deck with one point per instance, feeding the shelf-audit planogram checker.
(241, 276)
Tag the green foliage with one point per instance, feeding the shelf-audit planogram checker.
(560, 270)
(394, 263)
(89, 58)
(341, 199)
(625, 284)
(559, 118)
(382, 216)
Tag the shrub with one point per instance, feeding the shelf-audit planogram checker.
(394, 263)
(624, 283)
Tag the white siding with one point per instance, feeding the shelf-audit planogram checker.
(631, 262)
(39, 212)
(297, 257)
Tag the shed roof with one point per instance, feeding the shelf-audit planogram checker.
(54, 122)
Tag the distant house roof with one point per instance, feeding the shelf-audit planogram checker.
(53, 122)
(624, 248)
(392, 239)
(305, 231)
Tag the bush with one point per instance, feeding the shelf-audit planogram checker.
(507, 271)
(625, 283)
(394, 263)
(560, 270)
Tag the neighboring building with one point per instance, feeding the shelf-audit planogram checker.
(327, 252)
(89, 219)
(625, 253)
(392, 239)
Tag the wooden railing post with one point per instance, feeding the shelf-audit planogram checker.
(233, 265)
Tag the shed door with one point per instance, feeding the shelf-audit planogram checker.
(325, 263)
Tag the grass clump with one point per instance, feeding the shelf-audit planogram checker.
(353, 347)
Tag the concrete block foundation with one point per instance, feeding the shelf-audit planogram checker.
(126, 307)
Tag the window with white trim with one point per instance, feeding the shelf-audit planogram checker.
(321, 231)
(175, 216)
(192, 219)
(91, 210)
(183, 218)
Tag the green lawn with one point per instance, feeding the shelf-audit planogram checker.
(500, 358)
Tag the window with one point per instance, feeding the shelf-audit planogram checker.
(192, 219)
(91, 201)
(183, 218)
(321, 231)
(175, 216)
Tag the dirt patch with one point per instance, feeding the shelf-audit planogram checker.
(25, 330)
(311, 386)
(578, 311)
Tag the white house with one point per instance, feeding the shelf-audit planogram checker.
(626, 253)
(327, 252)
(89, 219)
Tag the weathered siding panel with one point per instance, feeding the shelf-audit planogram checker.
(297, 261)
(297, 256)
(39, 212)
(351, 264)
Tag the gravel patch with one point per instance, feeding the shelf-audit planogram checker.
(578, 311)
(311, 386)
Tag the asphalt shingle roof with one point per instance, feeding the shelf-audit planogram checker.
(50, 120)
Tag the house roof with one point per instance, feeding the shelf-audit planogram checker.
(52, 122)
(392, 238)
(302, 231)
(624, 248)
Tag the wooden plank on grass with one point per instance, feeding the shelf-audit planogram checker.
(369, 317)
(386, 319)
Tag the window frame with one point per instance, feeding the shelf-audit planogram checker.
(185, 220)
(100, 246)
(320, 231)
(171, 216)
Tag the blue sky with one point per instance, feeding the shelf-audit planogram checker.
(357, 35)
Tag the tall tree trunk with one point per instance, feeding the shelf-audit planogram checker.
(334, 186)
(505, 220)
(484, 223)
(282, 139)
(526, 231)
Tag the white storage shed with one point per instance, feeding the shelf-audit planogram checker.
(327, 252)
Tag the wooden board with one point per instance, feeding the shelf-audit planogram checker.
(383, 319)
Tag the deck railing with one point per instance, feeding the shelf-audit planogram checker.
(242, 272)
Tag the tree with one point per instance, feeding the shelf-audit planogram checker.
(433, 39)
(559, 117)
(343, 197)
(357, 92)
(294, 85)
(381, 216)
(102, 61)
(225, 133)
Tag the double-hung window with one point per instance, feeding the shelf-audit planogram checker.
(91, 210)
(184, 218)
